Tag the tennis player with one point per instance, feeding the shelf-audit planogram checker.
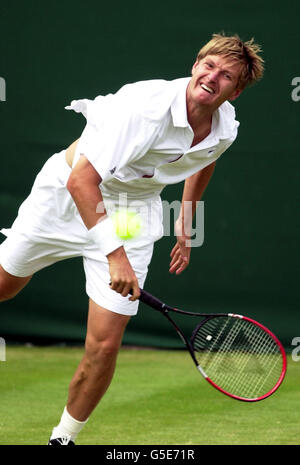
(135, 142)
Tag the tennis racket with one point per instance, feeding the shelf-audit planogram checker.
(235, 354)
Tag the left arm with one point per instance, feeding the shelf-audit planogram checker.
(194, 188)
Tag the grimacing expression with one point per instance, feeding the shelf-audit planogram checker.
(214, 80)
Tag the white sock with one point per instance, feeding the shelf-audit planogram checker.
(68, 425)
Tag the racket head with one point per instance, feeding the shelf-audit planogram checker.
(239, 356)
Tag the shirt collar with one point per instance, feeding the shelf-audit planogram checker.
(178, 107)
(223, 122)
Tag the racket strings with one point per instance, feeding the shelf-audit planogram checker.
(254, 377)
(239, 356)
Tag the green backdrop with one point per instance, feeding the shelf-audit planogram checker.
(54, 52)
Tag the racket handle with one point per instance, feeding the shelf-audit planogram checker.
(150, 300)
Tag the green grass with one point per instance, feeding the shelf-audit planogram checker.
(156, 398)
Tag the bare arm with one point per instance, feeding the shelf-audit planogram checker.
(193, 191)
(83, 185)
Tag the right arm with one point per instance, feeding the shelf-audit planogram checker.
(83, 185)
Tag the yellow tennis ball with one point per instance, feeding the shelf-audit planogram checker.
(127, 224)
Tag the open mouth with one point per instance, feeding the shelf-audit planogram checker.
(207, 89)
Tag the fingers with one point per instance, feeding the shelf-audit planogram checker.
(180, 257)
(123, 278)
(178, 265)
(135, 292)
(121, 287)
(125, 287)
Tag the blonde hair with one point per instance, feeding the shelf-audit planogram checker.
(246, 53)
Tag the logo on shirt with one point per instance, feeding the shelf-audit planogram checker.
(113, 170)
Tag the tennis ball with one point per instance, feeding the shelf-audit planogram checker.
(127, 224)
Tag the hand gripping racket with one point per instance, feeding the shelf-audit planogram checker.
(237, 355)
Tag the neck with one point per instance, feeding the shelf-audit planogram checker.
(199, 116)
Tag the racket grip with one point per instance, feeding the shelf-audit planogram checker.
(150, 300)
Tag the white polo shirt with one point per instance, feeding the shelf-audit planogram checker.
(139, 139)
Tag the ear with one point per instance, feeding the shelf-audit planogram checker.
(195, 66)
(235, 94)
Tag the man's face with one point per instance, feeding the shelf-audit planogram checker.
(214, 80)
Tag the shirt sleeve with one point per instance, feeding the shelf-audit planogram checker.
(116, 134)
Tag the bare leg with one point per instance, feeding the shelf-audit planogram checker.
(11, 285)
(93, 376)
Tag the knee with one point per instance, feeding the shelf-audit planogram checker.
(101, 351)
(10, 285)
(4, 295)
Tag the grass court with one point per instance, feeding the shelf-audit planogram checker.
(157, 397)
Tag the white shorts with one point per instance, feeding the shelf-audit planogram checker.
(49, 229)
